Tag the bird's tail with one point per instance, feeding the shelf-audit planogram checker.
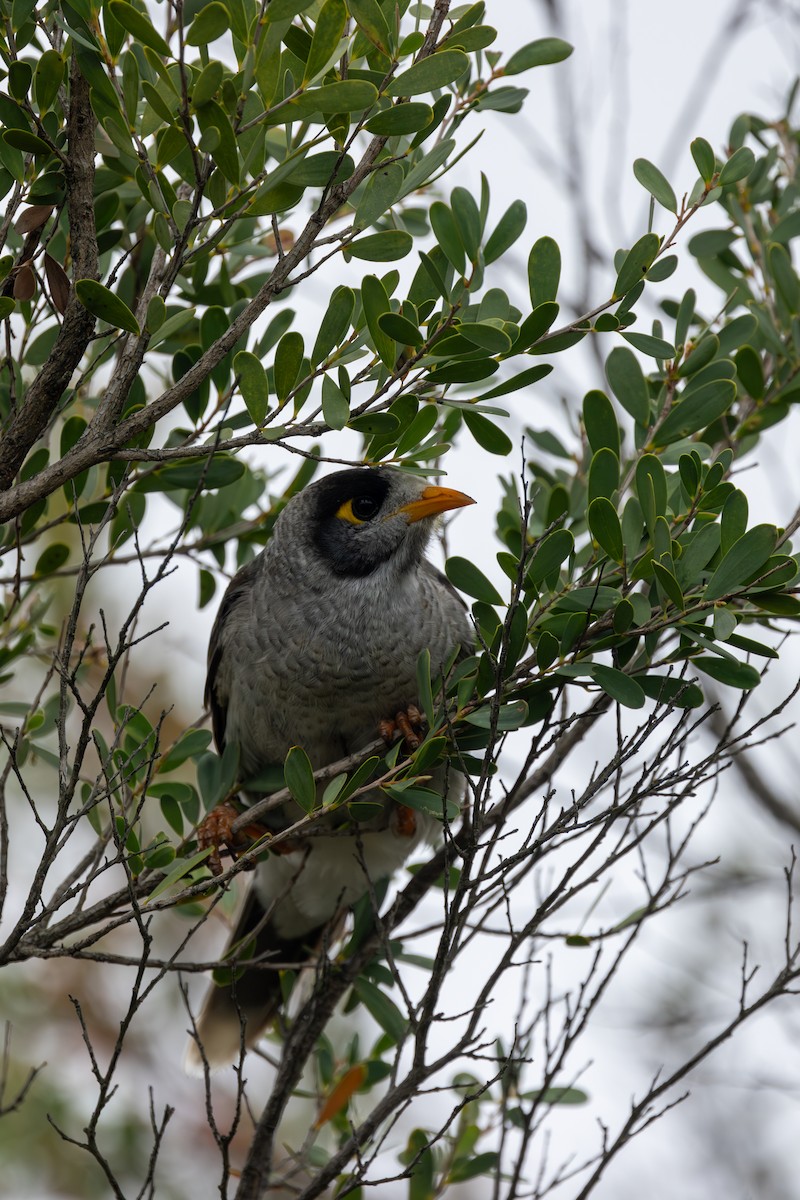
(245, 1006)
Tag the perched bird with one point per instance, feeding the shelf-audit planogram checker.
(316, 642)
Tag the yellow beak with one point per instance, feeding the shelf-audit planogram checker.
(432, 501)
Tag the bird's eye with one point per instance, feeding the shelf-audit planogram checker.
(358, 510)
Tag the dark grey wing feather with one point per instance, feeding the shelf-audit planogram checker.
(215, 698)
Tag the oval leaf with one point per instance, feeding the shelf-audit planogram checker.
(103, 304)
(605, 527)
(464, 575)
(299, 776)
(655, 183)
(619, 686)
(433, 72)
(745, 558)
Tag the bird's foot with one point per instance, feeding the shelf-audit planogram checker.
(404, 821)
(215, 832)
(408, 723)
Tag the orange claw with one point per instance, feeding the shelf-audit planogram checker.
(405, 821)
(409, 723)
(215, 831)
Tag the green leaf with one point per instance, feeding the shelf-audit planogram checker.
(558, 1095)
(516, 382)
(655, 347)
(212, 116)
(600, 422)
(553, 551)
(172, 813)
(750, 370)
(788, 285)
(103, 304)
(299, 776)
(435, 71)
(335, 406)
(470, 1166)
(190, 745)
(181, 869)
(704, 159)
(544, 271)
(712, 242)
(628, 384)
(469, 220)
(51, 559)
(286, 10)
(728, 671)
(666, 689)
(24, 140)
(487, 434)
(445, 228)
(156, 314)
(668, 583)
(208, 586)
(370, 19)
(745, 558)
(347, 95)
(697, 411)
(662, 268)
(540, 53)
(509, 716)
(382, 1010)
(636, 264)
(288, 361)
(733, 520)
(787, 228)
(209, 24)
(388, 246)
(464, 575)
(401, 118)
(487, 336)
(383, 188)
(424, 688)
(604, 472)
(655, 183)
(139, 26)
(619, 686)
(424, 800)
(253, 384)
(328, 30)
(738, 166)
(700, 356)
(220, 472)
(401, 329)
(334, 324)
(47, 78)
(376, 303)
(421, 173)
(207, 84)
(535, 326)
(604, 525)
(510, 227)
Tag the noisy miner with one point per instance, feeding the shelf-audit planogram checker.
(315, 644)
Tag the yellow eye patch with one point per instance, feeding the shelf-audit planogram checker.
(345, 513)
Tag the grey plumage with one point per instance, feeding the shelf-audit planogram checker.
(317, 641)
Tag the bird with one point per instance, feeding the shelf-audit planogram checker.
(316, 643)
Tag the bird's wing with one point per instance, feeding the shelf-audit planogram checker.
(460, 611)
(216, 693)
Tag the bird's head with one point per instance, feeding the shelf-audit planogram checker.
(356, 520)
